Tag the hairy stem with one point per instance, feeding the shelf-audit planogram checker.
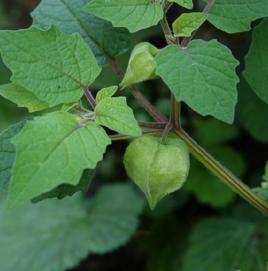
(90, 97)
(223, 173)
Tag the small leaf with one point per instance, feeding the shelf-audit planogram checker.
(187, 23)
(53, 150)
(233, 16)
(115, 114)
(106, 93)
(158, 168)
(69, 16)
(56, 235)
(256, 72)
(141, 65)
(65, 190)
(203, 76)
(184, 3)
(50, 64)
(7, 154)
(227, 244)
(132, 14)
(22, 97)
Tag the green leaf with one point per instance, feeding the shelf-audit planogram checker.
(65, 190)
(57, 235)
(7, 154)
(227, 244)
(208, 188)
(69, 16)
(106, 93)
(202, 75)
(187, 23)
(141, 65)
(53, 150)
(233, 16)
(256, 72)
(184, 3)
(132, 14)
(115, 114)
(158, 167)
(50, 64)
(252, 113)
(22, 97)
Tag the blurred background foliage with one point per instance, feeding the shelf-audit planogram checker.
(205, 226)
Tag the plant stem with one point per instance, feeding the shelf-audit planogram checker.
(223, 173)
(90, 97)
(120, 137)
(175, 112)
(152, 125)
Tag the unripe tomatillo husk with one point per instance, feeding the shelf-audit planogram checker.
(157, 167)
(141, 64)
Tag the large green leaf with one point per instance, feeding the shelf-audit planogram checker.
(52, 150)
(225, 244)
(256, 72)
(104, 40)
(22, 97)
(234, 16)
(132, 14)
(202, 75)
(115, 114)
(50, 64)
(7, 154)
(57, 235)
(252, 112)
(208, 188)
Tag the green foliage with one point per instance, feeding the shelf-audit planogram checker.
(227, 244)
(7, 154)
(203, 76)
(252, 113)
(50, 64)
(104, 40)
(157, 166)
(141, 65)
(22, 97)
(233, 16)
(106, 93)
(132, 14)
(184, 3)
(52, 150)
(256, 74)
(57, 235)
(186, 23)
(114, 113)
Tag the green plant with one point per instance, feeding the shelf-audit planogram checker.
(54, 65)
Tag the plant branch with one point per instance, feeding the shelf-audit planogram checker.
(90, 97)
(119, 137)
(223, 173)
(175, 112)
(152, 125)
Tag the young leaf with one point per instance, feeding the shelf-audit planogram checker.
(157, 167)
(252, 113)
(7, 154)
(106, 93)
(233, 16)
(22, 97)
(202, 75)
(241, 249)
(50, 64)
(65, 190)
(53, 150)
(115, 114)
(256, 72)
(132, 14)
(69, 16)
(57, 235)
(184, 3)
(187, 23)
(208, 188)
(141, 65)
